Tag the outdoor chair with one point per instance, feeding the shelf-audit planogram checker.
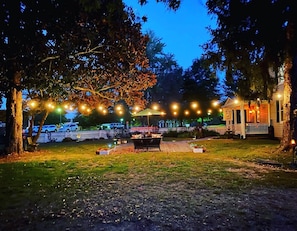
(146, 143)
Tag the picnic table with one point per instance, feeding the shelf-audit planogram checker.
(146, 143)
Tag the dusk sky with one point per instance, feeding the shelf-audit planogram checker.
(183, 32)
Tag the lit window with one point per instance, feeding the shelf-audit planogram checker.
(279, 111)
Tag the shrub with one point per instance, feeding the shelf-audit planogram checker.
(170, 134)
(197, 133)
(67, 139)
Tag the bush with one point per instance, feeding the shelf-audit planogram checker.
(197, 133)
(67, 139)
(208, 133)
(185, 134)
(170, 134)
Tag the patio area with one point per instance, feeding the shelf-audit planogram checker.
(166, 146)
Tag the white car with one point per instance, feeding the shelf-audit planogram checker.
(49, 128)
(108, 126)
(34, 129)
(69, 128)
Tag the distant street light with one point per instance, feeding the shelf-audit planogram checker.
(60, 111)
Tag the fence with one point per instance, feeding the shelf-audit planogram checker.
(77, 135)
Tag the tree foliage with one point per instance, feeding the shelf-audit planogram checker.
(92, 52)
(172, 4)
(200, 84)
(101, 59)
(169, 74)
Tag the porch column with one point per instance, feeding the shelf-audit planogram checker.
(242, 125)
(269, 116)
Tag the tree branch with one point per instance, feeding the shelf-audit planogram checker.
(94, 92)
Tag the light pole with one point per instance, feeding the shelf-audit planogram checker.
(60, 111)
(209, 114)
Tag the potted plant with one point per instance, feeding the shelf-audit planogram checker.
(198, 148)
(102, 151)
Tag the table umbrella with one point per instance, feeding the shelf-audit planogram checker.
(149, 112)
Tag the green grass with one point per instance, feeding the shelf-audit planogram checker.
(73, 171)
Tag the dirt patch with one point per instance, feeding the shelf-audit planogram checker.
(178, 206)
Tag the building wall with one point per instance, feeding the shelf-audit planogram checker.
(278, 126)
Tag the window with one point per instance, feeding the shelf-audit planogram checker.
(238, 116)
(279, 111)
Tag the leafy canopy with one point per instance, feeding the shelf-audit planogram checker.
(251, 38)
(91, 53)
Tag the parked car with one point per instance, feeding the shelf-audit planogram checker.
(45, 128)
(49, 128)
(71, 127)
(108, 126)
(34, 129)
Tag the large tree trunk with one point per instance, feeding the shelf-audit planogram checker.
(286, 138)
(14, 117)
(288, 91)
(290, 103)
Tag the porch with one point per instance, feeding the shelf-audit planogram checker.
(251, 129)
(247, 117)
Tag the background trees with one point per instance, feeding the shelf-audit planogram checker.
(201, 84)
(198, 84)
(169, 74)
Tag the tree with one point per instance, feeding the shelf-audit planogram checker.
(200, 84)
(91, 52)
(172, 4)
(249, 42)
(169, 74)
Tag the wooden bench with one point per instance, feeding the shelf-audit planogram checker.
(146, 143)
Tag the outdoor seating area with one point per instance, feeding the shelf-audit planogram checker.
(146, 141)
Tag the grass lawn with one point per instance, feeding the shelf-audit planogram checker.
(66, 186)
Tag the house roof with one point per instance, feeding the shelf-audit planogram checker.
(229, 102)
